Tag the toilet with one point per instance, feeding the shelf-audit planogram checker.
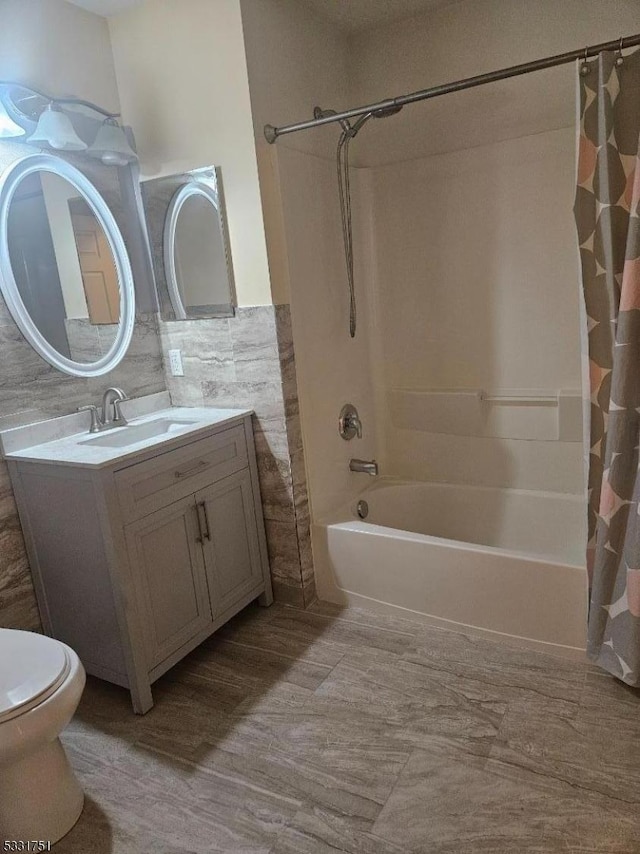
(41, 682)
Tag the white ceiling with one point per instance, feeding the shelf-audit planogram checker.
(106, 7)
(353, 15)
(349, 15)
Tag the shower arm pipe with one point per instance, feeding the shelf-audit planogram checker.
(272, 133)
(80, 102)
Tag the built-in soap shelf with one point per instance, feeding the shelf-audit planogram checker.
(506, 413)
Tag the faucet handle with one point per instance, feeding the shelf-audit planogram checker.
(95, 418)
(118, 417)
(349, 424)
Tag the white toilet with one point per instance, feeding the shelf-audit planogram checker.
(41, 682)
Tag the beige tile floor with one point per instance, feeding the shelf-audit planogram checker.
(310, 732)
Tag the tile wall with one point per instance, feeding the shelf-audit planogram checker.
(248, 361)
(30, 390)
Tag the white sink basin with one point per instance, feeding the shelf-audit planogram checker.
(121, 437)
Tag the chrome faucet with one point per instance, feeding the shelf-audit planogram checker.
(111, 413)
(364, 466)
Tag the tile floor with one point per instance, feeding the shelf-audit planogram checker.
(310, 732)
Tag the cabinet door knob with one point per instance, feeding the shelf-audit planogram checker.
(205, 534)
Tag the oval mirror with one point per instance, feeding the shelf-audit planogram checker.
(197, 260)
(64, 270)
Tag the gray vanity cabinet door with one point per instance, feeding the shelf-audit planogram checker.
(170, 578)
(230, 543)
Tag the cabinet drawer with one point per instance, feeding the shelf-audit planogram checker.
(148, 486)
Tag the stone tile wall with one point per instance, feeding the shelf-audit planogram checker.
(248, 361)
(30, 390)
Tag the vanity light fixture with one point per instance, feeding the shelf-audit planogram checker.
(111, 145)
(54, 129)
(8, 128)
(44, 120)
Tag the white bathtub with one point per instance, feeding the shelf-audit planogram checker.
(503, 561)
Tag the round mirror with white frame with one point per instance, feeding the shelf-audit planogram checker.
(197, 259)
(65, 273)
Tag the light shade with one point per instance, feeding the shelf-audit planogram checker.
(55, 130)
(111, 145)
(8, 128)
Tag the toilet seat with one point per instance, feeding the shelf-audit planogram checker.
(32, 668)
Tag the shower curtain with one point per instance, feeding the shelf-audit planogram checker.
(608, 225)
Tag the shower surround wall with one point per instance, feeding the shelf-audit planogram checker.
(333, 368)
(463, 228)
(248, 361)
(477, 290)
(296, 59)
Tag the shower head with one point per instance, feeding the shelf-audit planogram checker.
(382, 113)
(355, 127)
(350, 130)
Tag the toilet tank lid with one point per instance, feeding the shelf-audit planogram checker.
(31, 666)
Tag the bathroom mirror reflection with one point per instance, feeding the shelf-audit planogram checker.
(191, 255)
(63, 266)
(64, 270)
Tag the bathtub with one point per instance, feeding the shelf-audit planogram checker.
(507, 562)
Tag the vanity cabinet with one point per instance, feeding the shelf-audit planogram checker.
(171, 582)
(137, 563)
(196, 558)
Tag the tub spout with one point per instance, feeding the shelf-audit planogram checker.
(364, 466)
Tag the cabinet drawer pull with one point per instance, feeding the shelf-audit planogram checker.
(200, 465)
(203, 518)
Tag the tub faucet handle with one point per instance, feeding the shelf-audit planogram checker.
(349, 424)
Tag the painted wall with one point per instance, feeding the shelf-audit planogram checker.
(182, 78)
(296, 61)
(59, 48)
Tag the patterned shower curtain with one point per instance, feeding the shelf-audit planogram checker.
(608, 225)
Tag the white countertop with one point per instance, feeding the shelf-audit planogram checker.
(60, 441)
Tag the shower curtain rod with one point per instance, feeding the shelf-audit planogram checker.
(272, 133)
